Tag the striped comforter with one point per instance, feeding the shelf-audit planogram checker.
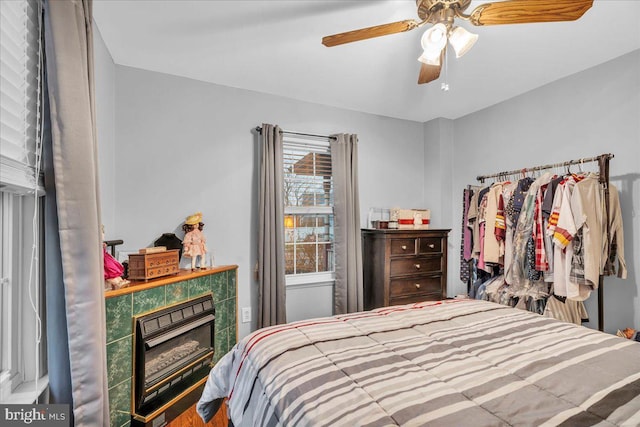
(450, 363)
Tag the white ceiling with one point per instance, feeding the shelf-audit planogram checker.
(275, 47)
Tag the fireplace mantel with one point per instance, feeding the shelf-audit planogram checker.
(182, 275)
(145, 296)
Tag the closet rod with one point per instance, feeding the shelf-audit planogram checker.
(481, 178)
(290, 132)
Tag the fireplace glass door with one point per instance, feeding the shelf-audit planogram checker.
(173, 350)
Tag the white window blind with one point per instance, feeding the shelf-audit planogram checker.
(308, 200)
(20, 90)
(22, 362)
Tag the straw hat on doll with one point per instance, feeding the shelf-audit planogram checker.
(194, 219)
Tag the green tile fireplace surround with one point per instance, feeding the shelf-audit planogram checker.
(144, 296)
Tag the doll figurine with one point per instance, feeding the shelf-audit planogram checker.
(112, 269)
(194, 243)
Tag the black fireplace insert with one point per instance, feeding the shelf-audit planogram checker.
(173, 352)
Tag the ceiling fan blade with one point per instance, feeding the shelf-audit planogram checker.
(529, 11)
(369, 33)
(429, 73)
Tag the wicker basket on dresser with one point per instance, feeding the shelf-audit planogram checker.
(403, 266)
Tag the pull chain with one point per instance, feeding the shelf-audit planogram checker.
(444, 85)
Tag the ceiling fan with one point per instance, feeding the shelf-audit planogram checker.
(442, 14)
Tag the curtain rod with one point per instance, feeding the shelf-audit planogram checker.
(481, 178)
(259, 129)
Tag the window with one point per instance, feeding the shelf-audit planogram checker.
(308, 209)
(21, 293)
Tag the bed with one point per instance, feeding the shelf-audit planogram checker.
(447, 363)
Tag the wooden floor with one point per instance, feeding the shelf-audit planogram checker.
(190, 418)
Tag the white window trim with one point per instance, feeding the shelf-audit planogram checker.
(6, 251)
(22, 380)
(304, 280)
(17, 177)
(19, 385)
(310, 279)
(29, 392)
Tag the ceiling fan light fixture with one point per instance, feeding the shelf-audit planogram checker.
(430, 59)
(435, 38)
(433, 41)
(443, 14)
(462, 40)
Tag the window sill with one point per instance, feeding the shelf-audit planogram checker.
(27, 394)
(310, 280)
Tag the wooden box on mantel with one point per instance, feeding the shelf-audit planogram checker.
(152, 265)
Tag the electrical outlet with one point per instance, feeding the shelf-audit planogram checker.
(246, 314)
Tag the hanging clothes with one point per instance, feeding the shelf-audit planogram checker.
(493, 248)
(566, 310)
(482, 209)
(581, 231)
(467, 233)
(563, 231)
(472, 223)
(465, 244)
(614, 248)
(587, 206)
(549, 240)
(547, 207)
(507, 198)
(525, 283)
(541, 264)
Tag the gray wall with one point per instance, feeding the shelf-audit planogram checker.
(440, 193)
(593, 112)
(184, 146)
(105, 76)
(170, 146)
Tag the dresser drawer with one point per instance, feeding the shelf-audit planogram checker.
(403, 246)
(416, 285)
(413, 265)
(430, 245)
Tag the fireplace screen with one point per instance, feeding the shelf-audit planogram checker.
(173, 351)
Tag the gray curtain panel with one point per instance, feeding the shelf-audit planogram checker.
(76, 273)
(271, 280)
(348, 265)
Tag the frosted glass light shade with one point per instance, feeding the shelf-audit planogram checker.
(435, 38)
(462, 40)
(430, 59)
(433, 41)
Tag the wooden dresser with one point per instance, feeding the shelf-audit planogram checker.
(403, 266)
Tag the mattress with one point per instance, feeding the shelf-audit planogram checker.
(447, 363)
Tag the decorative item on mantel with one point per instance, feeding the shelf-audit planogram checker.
(169, 241)
(150, 263)
(113, 270)
(194, 242)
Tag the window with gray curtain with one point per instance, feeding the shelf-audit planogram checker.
(22, 358)
(308, 209)
(309, 230)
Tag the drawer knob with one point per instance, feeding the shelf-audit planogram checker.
(417, 266)
(404, 247)
(417, 285)
(431, 245)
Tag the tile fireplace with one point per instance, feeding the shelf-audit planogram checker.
(173, 351)
(145, 297)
